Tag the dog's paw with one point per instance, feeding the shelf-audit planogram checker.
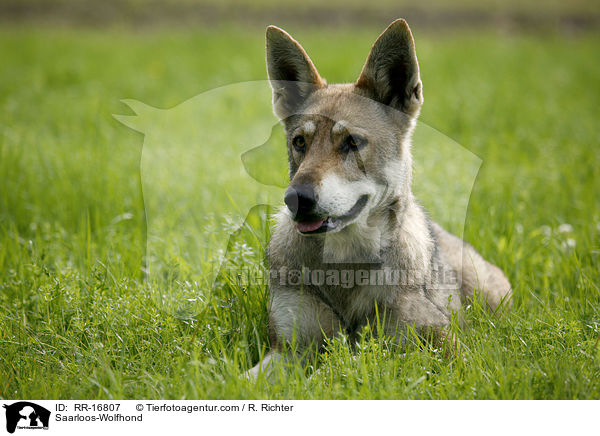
(265, 368)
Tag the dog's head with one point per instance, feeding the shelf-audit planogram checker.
(348, 145)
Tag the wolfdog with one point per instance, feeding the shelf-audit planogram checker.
(351, 212)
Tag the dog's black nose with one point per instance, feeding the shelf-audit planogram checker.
(300, 200)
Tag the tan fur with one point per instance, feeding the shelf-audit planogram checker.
(362, 196)
(474, 272)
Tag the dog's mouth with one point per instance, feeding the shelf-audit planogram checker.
(332, 224)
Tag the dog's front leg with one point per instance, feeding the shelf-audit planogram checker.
(429, 320)
(297, 320)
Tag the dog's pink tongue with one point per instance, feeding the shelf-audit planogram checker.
(309, 227)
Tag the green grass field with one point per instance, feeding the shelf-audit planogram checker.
(78, 320)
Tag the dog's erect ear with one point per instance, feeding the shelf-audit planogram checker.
(291, 72)
(391, 73)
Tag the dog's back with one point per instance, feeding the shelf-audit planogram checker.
(475, 274)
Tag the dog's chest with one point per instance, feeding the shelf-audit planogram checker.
(353, 291)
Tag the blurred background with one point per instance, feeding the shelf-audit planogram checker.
(431, 14)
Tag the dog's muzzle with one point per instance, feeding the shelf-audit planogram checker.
(302, 203)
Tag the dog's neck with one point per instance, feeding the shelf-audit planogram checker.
(366, 240)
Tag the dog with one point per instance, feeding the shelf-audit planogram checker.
(350, 211)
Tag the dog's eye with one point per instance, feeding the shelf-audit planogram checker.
(353, 143)
(299, 143)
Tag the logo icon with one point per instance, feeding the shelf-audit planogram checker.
(26, 415)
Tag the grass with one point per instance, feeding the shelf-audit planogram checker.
(78, 320)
